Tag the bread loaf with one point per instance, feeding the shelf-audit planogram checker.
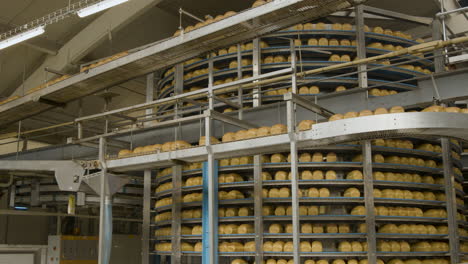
(278, 129)
(305, 124)
(125, 153)
(344, 246)
(352, 192)
(331, 157)
(332, 228)
(278, 246)
(336, 117)
(317, 246)
(340, 88)
(288, 247)
(313, 210)
(280, 211)
(350, 115)
(317, 157)
(354, 175)
(330, 175)
(314, 90)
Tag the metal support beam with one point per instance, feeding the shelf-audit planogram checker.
(291, 119)
(105, 217)
(227, 102)
(369, 202)
(50, 102)
(361, 47)
(229, 119)
(210, 211)
(397, 15)
(88, 38)
(439, 61)
(451, 201)
(149, 92)
(308, 105)
(176, 213)
(292, 46)
(146, 229)
(256, 68)
(258, 208)
(239, 77)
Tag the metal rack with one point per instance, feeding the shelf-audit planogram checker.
(243, 26)
(322, 218)
(292, 108)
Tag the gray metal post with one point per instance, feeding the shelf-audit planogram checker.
(212, 197)
(102, 200)
(361, 46)
(256, 64)
(149, 92)
(293, 66)
(176, 213)
(239, 77)
(451, 202)
(439, 63)
(291, 119)
(178, 89)
(258, 208)
(369, 202)
(210, 85)
(145, 248)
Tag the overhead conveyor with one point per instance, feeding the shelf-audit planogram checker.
(245, 25)
(355, 129)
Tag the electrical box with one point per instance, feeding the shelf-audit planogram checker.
(72, 250)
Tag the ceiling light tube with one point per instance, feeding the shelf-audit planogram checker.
(98, 7)
(22, 37)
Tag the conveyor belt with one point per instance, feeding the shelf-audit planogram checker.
(383, 126)
(241, 27)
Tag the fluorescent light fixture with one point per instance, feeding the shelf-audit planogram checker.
(21, 208)
(22, 37)
(98, 7)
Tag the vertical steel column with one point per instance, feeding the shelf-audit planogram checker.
(178, 89)
(239, 77)
(210, 191)
(451, 202)
(439, 63)
(79, 124)
(291, 119)
(145, 248)
(256, 63)
(102, 200)
(258, 181)
(176, 213)
(258, 208)
(293, 66)
(210, 211)
(149, 92)
(210, 87)
(361, 47)
(369, 202)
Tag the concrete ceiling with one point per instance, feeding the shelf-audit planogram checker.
(152, 24)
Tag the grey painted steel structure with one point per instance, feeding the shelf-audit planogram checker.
(449, 177)
(369, 202)
(326, 133)
(146, 217)
(241, 27)
(388, 125)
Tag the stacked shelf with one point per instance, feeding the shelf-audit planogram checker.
(275, 54)
(328, 213)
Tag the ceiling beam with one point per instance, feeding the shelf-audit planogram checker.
(87, 40)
